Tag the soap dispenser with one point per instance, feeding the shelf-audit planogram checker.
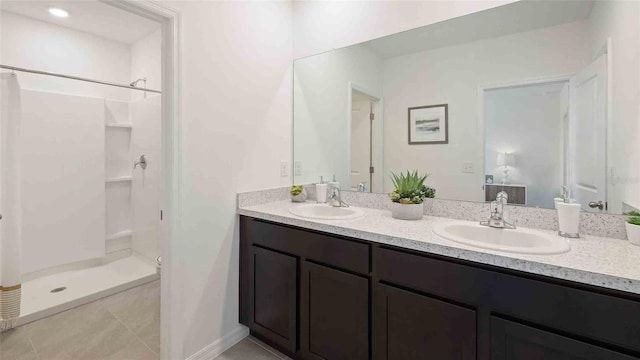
(334, 183)
(321, 191)
(568, 215)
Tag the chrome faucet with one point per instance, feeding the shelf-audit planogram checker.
(335, 199)
(362, 187)
(497, 213)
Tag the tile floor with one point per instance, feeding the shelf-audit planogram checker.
(125, 326)
(251, 348)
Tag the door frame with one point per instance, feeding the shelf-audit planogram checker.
(376, 98)
(171, 163)
(482, 88)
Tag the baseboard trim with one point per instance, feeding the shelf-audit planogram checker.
(219, 346)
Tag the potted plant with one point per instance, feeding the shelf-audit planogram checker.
(633, 227)
(298, 193)
(409, 195)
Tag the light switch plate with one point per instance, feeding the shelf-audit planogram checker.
(284, 169)
(468, 167)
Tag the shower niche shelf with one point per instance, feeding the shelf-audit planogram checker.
(119, 235)
(118, 179)
(118, 125)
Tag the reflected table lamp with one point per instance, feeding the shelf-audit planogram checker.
(505, 159)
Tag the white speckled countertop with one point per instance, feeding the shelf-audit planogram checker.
(599, 261)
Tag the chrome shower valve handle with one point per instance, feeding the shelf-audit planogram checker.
(142, 161)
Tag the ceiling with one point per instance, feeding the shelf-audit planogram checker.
(504, 20)
(89, 16)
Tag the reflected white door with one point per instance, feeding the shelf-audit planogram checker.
(588, 135)
(360, 143)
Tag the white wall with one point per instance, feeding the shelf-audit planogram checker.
(145, 186)
(62, 179)
(619, 21)
(38, 45)
(528, 122)
(321, 109)
(146, 54)
(452, 76)
(236, 127)
(320, 26)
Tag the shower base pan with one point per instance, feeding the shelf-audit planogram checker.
(51, 294)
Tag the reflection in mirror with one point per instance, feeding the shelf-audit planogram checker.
(523, 98)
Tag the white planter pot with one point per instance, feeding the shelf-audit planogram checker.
(406, 211)
(302, 197)
(633, 233)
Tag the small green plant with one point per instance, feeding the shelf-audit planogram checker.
(410, 188)
(296, 190)
(634, 217)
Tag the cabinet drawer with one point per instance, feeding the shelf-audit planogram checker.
(339, 252)
(554, 304)
(513, 341)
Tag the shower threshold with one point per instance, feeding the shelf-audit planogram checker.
(42, 297)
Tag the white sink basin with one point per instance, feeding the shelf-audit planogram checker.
(523, 241)
(326, 212)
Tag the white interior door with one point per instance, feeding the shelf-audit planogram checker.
(360, 143)
(588, 135)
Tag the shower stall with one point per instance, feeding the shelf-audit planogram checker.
(79, 191)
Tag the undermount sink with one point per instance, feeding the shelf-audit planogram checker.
(326, 212)
(522, 241)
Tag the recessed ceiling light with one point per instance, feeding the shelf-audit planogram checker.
(59, 12)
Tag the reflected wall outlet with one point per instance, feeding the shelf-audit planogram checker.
(298, 168)
(284, 169)
(468, 167)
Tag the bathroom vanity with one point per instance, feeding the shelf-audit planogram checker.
(355, 290)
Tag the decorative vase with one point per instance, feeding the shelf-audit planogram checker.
(407, 211)
(633, 233)
(302, 197)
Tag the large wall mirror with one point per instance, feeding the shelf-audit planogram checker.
(526, 98)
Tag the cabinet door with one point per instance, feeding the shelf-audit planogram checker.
(411, 326)
(334, 314)
(513, 341)
(273, 296)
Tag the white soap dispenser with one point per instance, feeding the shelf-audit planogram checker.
(568, 216)
(321, 191)
(334, 183)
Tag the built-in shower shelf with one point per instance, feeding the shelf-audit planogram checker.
(119, 234)
(119, 179)
(114, 125)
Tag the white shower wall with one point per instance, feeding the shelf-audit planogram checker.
(63, 198)
(145, 186)
(72, 160)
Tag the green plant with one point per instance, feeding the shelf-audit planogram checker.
(634, 217)
(410, 188)
(296, 190)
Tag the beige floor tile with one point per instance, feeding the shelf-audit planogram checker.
(138, 309)
(93, 331)
(97, 343)
(135, 351)
(15, 345)
(269, 348)
(247, 350)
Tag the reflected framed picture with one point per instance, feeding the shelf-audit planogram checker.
(429, 124)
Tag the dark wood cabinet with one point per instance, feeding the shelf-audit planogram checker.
(334, 314)
(318, 296)
(414, 326)
(514, 341)
(273, 308)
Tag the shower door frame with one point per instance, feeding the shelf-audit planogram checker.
(171, 153)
